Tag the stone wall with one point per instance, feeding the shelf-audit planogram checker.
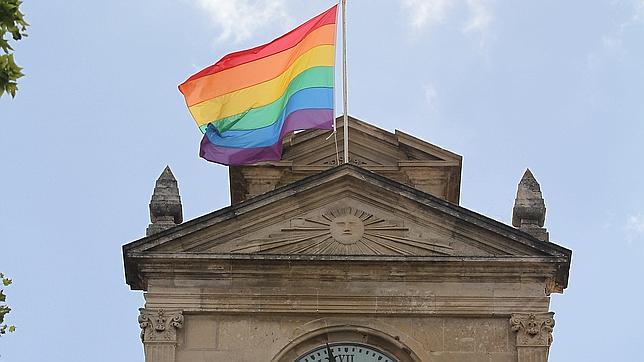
(274, 318)
(244, 338)
(415, 276)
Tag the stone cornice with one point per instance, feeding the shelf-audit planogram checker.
(308, 267)
(412, 305)
(350, 258)
(351, 178)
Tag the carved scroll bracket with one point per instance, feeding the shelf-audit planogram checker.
(533, 329)
(160, 325)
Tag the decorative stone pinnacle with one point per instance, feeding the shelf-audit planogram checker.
(529, 211)
(165, 206)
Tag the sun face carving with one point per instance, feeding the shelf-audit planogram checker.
(347, 229)
(344, 231)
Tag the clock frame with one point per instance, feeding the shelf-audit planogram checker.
(346, 352)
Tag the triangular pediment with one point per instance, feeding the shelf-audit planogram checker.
(339, 229)
(369, 147)
(396, 156)
(347, 211)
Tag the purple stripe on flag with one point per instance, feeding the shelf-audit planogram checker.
(298, 120)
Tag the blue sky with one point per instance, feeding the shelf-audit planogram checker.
(557, 86)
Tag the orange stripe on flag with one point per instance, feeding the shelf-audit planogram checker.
(255, 72)
(264, 93)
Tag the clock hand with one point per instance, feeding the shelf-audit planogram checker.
(330, 353)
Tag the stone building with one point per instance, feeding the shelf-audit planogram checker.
(373, 260)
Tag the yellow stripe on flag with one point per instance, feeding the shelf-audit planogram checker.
(261, 94)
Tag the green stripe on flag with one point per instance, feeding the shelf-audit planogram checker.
(265, 116)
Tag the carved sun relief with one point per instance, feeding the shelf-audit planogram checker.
(345, 231)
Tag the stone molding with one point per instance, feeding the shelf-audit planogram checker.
(533, 329)
(362, 304)
(160, 325)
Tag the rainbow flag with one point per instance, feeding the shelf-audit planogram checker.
(249, 100)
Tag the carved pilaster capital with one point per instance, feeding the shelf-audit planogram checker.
(533, 329)
(160, 325)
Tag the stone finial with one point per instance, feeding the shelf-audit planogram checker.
(165, 206)
(529, 211)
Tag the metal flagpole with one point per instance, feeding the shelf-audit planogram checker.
(335, 122)
(344, 80)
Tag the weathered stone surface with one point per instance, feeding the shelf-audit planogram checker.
(203, 334)
(410, 224)
(484, 335)
(165, 207)
(369, 253)
(159, 329)
(533, 329)
(160, 325)
(529, 212)
(247, 337)
(533, 335)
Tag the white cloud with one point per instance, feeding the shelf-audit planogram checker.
(240, 19)
(424, 13)
(639, 11)
(481, 16)
(430, 95)
(611, 45)
(635, 226)
(636, 17)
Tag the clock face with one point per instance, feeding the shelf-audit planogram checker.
(346, 352)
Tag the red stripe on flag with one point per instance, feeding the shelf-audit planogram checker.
(280, 44)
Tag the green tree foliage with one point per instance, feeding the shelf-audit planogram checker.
(4, 309)
(13, 24)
